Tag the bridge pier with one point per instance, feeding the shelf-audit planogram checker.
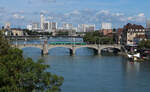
(99, 51)
(72, 52)
(45, 48)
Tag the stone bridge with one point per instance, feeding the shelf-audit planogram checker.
(46, 47)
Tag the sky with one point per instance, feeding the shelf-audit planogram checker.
(118, 12)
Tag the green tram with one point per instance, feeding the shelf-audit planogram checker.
(67, 43)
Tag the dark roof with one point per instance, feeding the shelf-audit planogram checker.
(133, 26)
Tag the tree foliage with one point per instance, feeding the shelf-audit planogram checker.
(18, 74)
(144, 44)
(97, 38)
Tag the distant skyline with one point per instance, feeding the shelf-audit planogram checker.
(118, 12)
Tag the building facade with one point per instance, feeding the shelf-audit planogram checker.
(132, 34)
(106, 28)
(42, 21)
(86, 28)
(17, 32)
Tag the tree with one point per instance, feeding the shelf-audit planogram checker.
(98, 38)
(18, 74)
(4, 45)
(144, 44)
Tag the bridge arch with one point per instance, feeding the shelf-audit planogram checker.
(114, 49)
(71, 51)
(94, 48)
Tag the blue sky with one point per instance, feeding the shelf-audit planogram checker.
(119, 12)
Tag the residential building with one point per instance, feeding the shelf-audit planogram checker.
(50, 26)
(132, 34)
(67, 26)
(17, 32)
(86, 28)
(46, 26)
(119, 34)
(106, 28)
(29, 27)
(35, 26)
(42, 21)
(53, 25)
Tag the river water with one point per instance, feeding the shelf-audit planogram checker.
(85, 72)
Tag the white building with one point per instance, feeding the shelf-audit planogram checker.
(35, 26)
(42, 21)
(67, 26)
(29, 27)
(50, 26)
(53, 25)
(86, 28)
(106, 26)
(46, 26)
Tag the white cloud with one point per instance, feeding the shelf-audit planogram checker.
(72, 13)
(118, 14)
(106, 12)
(17, 16)
(138, 18)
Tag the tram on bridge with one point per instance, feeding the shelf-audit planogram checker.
(67, 43)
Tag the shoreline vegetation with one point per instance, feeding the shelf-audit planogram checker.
(18, 74)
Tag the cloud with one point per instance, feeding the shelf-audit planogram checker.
(138, 18)
(118, 19)
(105, 12)
(17, 16)
(84, 16)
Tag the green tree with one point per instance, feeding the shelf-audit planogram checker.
(4, 45)
(98, 38)
(144, 44)
(18, 74)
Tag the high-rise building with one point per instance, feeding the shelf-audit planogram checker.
(67, 26)
(42, 21)
(29, 27)
(46, 26)
(86, 28)
(106, 26)
(50, 26)
(35, 26)
(53, 25)
(90, 28)
(148, 24)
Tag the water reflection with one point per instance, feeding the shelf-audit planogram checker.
(132, 67)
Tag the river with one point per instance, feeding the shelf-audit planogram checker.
(85, 72)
